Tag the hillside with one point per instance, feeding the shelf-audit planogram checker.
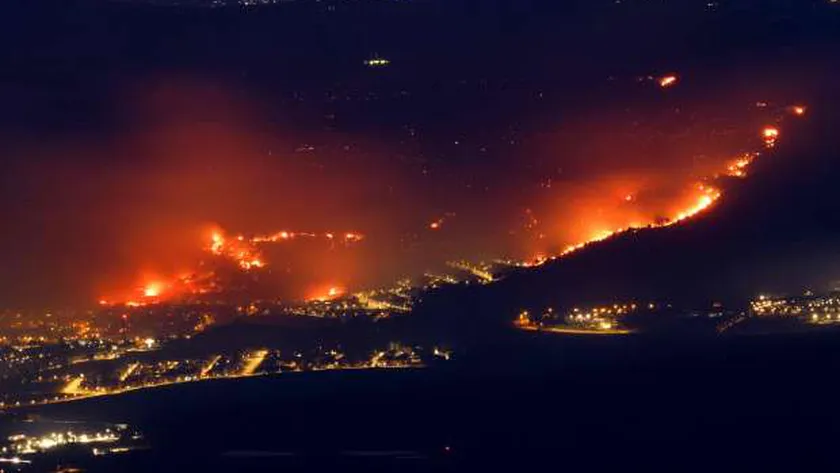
(776, 231)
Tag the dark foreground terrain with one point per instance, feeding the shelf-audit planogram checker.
(752, 403)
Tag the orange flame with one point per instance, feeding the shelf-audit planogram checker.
(668, 81)
(770, 135)
(323, 294)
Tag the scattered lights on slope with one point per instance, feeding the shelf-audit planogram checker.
(438, 223)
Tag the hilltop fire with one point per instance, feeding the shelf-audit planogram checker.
(770, 135)
(243, 251)
(668, 81)
(738, 167)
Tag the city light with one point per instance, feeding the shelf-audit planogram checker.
(377, 62)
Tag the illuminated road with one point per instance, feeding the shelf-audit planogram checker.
(375, 304)
(254, 362)
(730, 324)
(577, 331)
(74, 387)
(210, 365)
(484, 275)
(130, 369)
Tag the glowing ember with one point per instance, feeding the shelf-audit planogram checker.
(770, 135)
(437, 224)
(798, 110)
(668, 81)
(217, 243)
(709, 196)
(352, 237)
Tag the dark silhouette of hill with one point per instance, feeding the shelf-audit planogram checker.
(775, 231)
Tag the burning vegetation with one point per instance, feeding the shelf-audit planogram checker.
(358, 214)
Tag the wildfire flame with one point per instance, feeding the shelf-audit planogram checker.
(770, 135)
(245, 251)
(242, 250)
(706, 197)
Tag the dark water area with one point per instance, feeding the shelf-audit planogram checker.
(754, 403)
